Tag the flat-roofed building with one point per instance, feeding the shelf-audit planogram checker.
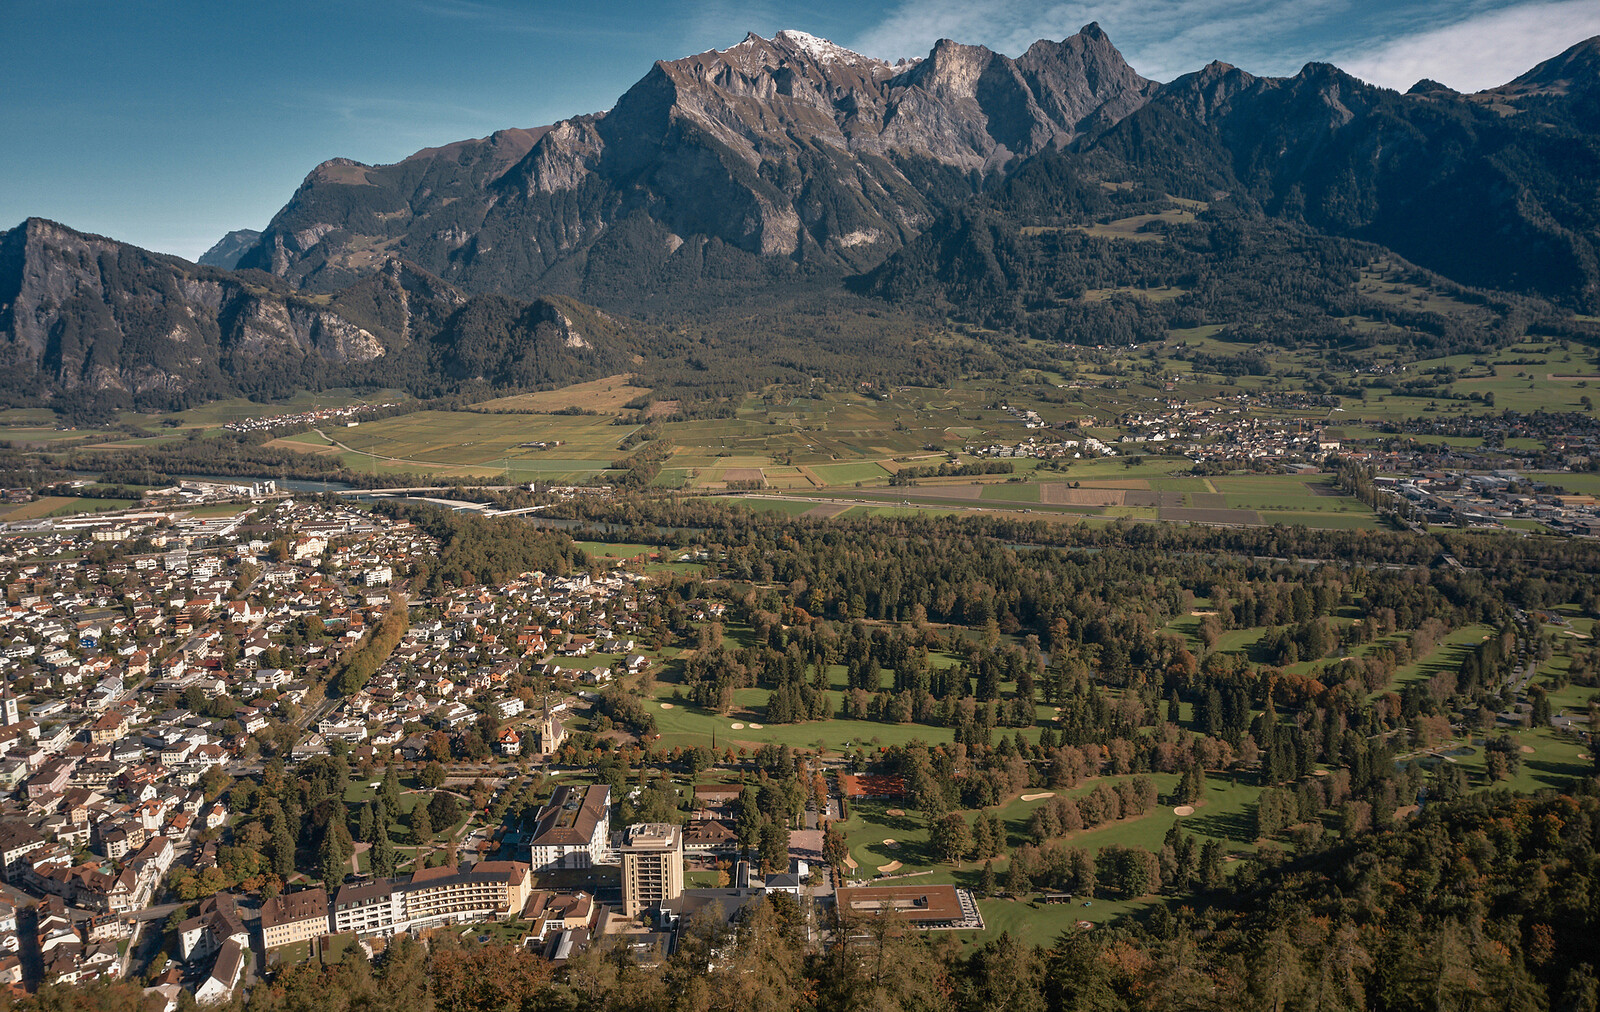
(925, 906)
(367, 908)
(652, 866)
(573, 830)
(294, 917)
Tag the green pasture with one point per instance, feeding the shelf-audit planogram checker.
(79, 506)
(844, 474)
(469, 438)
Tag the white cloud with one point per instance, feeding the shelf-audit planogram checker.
(1160, 38)
(1479, 52)
(1465, 45)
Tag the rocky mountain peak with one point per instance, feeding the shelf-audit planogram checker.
(1083, 76)
(1203, 94)
(792, 146)
(952, 69)
(821, 50)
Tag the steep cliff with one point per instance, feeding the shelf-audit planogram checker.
(739, 165)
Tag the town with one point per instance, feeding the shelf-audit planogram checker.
(155, 661)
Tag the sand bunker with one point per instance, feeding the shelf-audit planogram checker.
(891, 844)
(1527, 750)
(754, 727)
(737, 726)
(1039, 796)
(1319, 773)
(666, 706)
(1183, 810)
(891, 866)
(895, 812)
(850, 862)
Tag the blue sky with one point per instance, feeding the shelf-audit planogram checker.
(166, 123)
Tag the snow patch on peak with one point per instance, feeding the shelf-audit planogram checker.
(820, 50)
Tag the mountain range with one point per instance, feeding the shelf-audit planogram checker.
(792, 163)
(88, 324)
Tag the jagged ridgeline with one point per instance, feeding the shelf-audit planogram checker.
(89, 324)
(780, 161)
(732, 170)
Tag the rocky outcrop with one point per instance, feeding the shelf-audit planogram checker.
(230, 248)
(91, 318)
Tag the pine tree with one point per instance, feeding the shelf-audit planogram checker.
(282, 848)
(382, 855)
(951, 838)
(333, 862)
(421, 825)
(1017, 881)
(986, 883)
(982, 838)
(390, 791)
(997, 833)
(747, 824)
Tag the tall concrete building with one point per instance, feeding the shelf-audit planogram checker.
(652, 866)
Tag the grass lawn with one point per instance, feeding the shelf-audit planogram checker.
(1553, 762)
(296, 952)
(1010, 492)
(1447, 656)
(687, 724)
(498, 932)
(72, 507)
(360, 793)
(221, 510)
(607, 550)
(1224, 813)
(1034, 923)
(334, 946)
(41, 507)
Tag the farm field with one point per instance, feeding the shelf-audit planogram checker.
(606, 395)
(1244, 499)
(62, 506)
